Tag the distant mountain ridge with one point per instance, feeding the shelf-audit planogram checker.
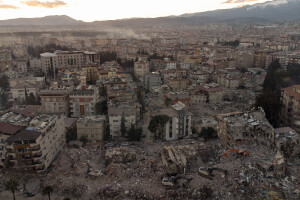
(277, 10)
(288, 10)
(53, 20)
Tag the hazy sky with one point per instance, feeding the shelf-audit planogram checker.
(91, 10)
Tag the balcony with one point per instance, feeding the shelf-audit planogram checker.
(40, 167)
(37, 155)
(35, 147)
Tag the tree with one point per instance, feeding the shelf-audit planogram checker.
(26, 95)
(123, 128)
(269, 99)
(71, 134)
(168, 101)
(141, 99)
(107, 134)
(134, 134)
(12, 185)
(3, 100)
(83, 139)
(31, 100)
(101, 108)
(157, 124)
(4, 82)
(47, 191)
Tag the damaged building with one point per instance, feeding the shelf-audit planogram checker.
(242, 126)
(287, 141)
(35, 148)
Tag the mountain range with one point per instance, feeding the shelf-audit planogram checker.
(270, 11)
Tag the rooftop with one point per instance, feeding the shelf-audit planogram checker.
(24, 135)
(9, 129)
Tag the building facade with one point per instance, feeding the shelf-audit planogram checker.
(180, 122)
(83, 100)
(91, 127)
(55, 101)
(290, 114)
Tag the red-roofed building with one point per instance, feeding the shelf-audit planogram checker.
(175, 98)
(207, 94)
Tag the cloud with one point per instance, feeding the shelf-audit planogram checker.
(4, 6)
(238, 1)
(44, 4)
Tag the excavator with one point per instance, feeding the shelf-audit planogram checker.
(238, 152)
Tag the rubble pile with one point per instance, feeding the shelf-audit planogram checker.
(119, 155)
(184, 169)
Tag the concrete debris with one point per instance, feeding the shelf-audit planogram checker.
(167, 170)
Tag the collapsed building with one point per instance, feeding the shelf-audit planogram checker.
(287, 141)
(242, 126)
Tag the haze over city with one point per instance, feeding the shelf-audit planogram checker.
(150, 100)
(92, 10)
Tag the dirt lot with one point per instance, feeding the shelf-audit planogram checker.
(136, 172)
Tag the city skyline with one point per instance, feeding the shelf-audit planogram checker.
(111, 10)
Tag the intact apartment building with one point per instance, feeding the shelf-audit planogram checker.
(35, 148)
(290, 114)
(19, 92)
(180, 122)
(55, 101)
(83, 100)
(141, 67)
(68, 58)
(90, 72)
(178, 83)
(207, 94)
(91, 127)
(115, 117)
(152, 79)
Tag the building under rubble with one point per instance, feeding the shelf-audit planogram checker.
(242, 126)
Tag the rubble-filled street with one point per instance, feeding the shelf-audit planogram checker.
(184, 169)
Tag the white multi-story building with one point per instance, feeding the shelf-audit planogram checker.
(170, 65)
(35, 64)
(115, 115)
(68, 58)
(180, 122)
